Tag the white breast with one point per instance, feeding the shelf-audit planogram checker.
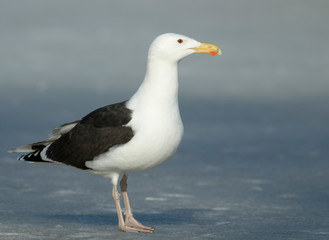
(158, 133)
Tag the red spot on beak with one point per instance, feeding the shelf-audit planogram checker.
(213, 53)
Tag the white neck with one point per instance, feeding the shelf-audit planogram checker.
(160, 85)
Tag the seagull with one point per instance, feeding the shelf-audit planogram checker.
(135, 135)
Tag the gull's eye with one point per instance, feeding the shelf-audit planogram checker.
(180, 40)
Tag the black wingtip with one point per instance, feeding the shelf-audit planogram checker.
(32, 157)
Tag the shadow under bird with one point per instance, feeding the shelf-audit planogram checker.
(138, 134)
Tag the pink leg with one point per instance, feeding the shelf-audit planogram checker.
(122, 226)
(130, 220)
(116, 198)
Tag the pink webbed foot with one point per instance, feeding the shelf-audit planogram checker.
(131, 222)
(125, 228)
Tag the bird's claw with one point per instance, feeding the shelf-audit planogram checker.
(132, 225)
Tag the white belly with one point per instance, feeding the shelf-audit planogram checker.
(156, 139)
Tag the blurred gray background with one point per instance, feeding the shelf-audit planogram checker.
(254, 159)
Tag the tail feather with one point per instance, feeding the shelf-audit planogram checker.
(38, 146)
(34, 150)
(33, 146)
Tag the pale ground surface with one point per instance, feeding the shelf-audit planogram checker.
(252, 172)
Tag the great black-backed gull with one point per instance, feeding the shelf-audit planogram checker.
(134, 135)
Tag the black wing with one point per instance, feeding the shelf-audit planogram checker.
(95, 134)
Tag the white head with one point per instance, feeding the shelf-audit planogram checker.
(173, 47)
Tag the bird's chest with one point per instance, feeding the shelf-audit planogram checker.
(157, 135)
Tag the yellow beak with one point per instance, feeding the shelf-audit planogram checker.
(209, 48)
